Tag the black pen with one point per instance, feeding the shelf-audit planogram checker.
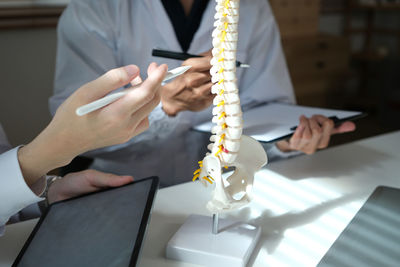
(184, 56)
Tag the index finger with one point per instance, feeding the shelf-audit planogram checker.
(298, 134)
(109, 81)
(145, 93)
(327, 128)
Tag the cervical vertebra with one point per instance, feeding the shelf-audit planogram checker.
(227, 139)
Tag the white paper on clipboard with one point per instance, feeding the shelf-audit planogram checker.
(273, 121)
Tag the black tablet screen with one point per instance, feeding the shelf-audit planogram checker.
(100, 229)
(372, 238)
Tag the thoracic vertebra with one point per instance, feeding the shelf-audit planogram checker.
(227, 114)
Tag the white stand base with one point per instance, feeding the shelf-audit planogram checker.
(194, 242)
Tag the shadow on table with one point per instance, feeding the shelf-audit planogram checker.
(339, 161)
(162, 227)
(274, 227)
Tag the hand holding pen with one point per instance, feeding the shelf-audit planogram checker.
(114, 124)
(190, 91)
(104, 101)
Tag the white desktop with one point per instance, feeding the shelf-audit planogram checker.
(302, 205)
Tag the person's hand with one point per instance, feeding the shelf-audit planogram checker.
(313, 133)
(69, 135)
(84, 182)
(116, 123)
(190, 91)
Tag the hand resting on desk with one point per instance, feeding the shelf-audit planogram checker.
(313, 133)
(84, 182)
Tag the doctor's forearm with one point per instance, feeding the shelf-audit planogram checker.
(42, 155)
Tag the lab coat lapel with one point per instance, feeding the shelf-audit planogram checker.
(163, 24)
(202, 38)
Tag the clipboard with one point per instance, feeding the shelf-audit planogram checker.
(277, 121)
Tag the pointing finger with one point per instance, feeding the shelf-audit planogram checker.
(110, 81)
(146, 92)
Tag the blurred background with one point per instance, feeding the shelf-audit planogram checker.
(341, 54)
(345, 54)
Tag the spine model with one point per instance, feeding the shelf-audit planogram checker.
(227, 114)
(229, 148)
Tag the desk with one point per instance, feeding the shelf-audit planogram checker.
(302, 204)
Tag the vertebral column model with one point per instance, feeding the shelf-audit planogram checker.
(227, 112)
(228, 146)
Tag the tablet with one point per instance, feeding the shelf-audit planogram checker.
(105, 228)
(372, 238)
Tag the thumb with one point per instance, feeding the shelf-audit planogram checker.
(207, 53)
(111, 80)
(345, 127)
(146, 92)
(102, 180)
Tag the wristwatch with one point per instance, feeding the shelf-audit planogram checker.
(49, 181)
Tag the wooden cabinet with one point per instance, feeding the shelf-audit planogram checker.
(29, 15)
(296, 18)
(317, 66)
(318, 63)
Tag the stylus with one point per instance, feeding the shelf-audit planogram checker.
(95, 105)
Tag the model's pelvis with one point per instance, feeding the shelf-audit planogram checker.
(235, 191)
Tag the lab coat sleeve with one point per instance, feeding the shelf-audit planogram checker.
(15, 195)
(268, 80)
(86, 49)
(274, 153)
(4, 144)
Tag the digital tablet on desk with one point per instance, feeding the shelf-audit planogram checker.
(105, 228)
(372, 238)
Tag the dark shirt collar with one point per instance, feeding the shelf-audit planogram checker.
(185, 27)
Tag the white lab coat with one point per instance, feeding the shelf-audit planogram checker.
(97, 35)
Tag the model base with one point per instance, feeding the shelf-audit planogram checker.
(194, 242)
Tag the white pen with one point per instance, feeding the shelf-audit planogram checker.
(95, 105)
